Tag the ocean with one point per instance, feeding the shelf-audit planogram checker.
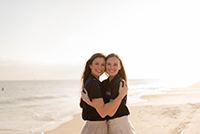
(32, 107)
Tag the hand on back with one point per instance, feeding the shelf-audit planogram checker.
(123, 88)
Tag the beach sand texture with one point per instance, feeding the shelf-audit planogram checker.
(176, 112)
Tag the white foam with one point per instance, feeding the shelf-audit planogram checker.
(37, 106)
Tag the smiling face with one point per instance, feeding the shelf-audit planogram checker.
(97, 67)
(112, 67)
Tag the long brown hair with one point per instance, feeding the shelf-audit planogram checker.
(87, 71)
(122, 71)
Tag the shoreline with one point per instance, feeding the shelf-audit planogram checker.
(175, 111)
(73, 126)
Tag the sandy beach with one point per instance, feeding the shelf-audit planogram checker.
(176, 112)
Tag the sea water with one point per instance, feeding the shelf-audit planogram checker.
(32, 107)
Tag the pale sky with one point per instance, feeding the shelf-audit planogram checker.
(53, 39)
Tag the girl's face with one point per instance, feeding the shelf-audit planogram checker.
(113, 66)
(98, 67)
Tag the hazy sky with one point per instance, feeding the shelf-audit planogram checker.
(52, 39)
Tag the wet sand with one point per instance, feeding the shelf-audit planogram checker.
(176, 112)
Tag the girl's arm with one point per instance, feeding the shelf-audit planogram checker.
(86, 98)
(108, 108)
(114, 110)
(111, 113)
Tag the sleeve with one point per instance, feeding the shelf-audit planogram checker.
(94, 90)
(115, 90)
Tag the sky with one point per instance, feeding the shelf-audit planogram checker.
(52, 40)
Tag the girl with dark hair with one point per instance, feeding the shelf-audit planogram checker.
(95, 114)
(117, 121)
